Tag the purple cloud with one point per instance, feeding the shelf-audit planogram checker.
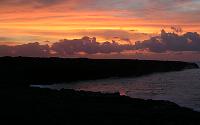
(87, 45)
(29, 50)
(165, 42)
(189, 41)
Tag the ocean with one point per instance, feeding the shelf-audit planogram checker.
(181, 87)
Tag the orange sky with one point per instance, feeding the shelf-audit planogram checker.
(51, 20)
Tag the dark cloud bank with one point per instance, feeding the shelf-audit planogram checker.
(65, 48)
(189, 41)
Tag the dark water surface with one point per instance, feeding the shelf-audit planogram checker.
(181, 87)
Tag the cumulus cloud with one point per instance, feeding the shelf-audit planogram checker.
(64, 48)
(87, 45)
(189, 41)
(177, 29)
(164, 43)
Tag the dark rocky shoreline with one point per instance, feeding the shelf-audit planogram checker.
(21, 103)
(36, 106)
(24, 71)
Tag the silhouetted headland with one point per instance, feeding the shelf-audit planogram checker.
(36, 105)
(23, 71)
(22, 103)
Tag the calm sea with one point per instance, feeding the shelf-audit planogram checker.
(181, 87)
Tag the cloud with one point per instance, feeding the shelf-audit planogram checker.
(5, 38)
(120, 36)
(87, 45)
(34, 2)
(189, 41)
(161, 46)
(29, 50)
(177, 29)
(64, 48)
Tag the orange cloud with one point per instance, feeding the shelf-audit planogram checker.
(42, 20)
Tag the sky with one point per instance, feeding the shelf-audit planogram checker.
(72, 24)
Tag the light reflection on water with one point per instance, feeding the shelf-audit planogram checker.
(181, 87)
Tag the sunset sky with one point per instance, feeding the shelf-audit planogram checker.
(124, 21)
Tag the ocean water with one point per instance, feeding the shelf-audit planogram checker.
(182, 87)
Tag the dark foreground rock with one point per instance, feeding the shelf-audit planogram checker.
(21, 71)
(68, 107)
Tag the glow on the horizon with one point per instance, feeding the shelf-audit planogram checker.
(43, 20)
